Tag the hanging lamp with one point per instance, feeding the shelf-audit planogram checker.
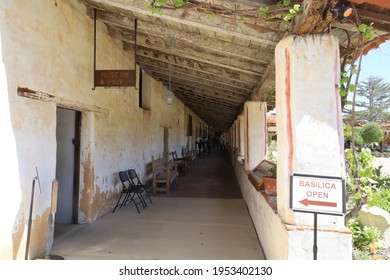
(169, 96)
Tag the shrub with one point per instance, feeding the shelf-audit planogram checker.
(364, 237)
(372, 133)
(380, 199)
(362, 255)
(348, 136)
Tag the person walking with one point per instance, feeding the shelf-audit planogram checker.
(209, 145)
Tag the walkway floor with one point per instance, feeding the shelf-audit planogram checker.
(203, 218)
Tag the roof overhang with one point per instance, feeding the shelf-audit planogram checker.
(219, 62)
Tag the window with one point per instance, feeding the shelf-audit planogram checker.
(141, 71)
(144, 90)
(189, 126)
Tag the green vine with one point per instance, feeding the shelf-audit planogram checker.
(155, 5)
(368, 31)
(266, 13)
(292, 12)
(282, 9)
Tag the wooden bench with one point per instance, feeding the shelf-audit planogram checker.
(190, 155)
(183, 163)
(164, 173)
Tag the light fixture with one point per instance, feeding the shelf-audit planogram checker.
(169, 96)
(344, 12)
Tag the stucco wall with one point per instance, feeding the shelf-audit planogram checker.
(281, 241)
(269, 227)
(47, 46)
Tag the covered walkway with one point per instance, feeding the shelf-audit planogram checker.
(204, 217)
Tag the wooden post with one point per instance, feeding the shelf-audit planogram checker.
(54, 196)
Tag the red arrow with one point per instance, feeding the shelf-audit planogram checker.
(307, 202)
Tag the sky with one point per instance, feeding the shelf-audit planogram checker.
(377, 63)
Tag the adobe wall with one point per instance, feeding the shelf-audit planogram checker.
(47, 46)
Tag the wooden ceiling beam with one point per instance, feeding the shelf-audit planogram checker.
(214, 80)
(197, 42)
(178, 80)
(221, 97)
(194, 68)
(250, 68)
(266, 85)
(226, 28)
(196, 97)
(381, 21)
(198, 63)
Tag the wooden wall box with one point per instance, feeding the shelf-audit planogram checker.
(256, 175)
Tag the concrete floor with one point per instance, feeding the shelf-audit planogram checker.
(170, 228)
(174, 226)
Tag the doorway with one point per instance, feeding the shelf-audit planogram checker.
(166, 143)
(67, 168)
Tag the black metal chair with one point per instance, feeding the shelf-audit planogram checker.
(135, 181)
(129, 193)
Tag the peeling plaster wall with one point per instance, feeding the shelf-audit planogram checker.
(269, 227)
(54, 54)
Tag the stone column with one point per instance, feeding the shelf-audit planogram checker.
(255, 133)
(309, 120)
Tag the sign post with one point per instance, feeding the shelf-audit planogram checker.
(318, 195)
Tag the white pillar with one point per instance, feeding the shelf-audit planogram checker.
(236, 140)
(255, 133)
(309, 131)
(241, 138)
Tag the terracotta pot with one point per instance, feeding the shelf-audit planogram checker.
(269, 185)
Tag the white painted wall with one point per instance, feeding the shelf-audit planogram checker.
(54, 54)
(256, 136)
(309, 124)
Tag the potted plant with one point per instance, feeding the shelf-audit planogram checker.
(270, 181)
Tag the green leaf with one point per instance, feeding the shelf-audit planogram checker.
(263, 9)
(297, 7)
(212, 15)
(344, 80)
(287, 17)
(372, 181)
(348, 103)
(352, 87)
(357, 195)
(179, 3)
(362, 27)
(286, 2)
(365, 172)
